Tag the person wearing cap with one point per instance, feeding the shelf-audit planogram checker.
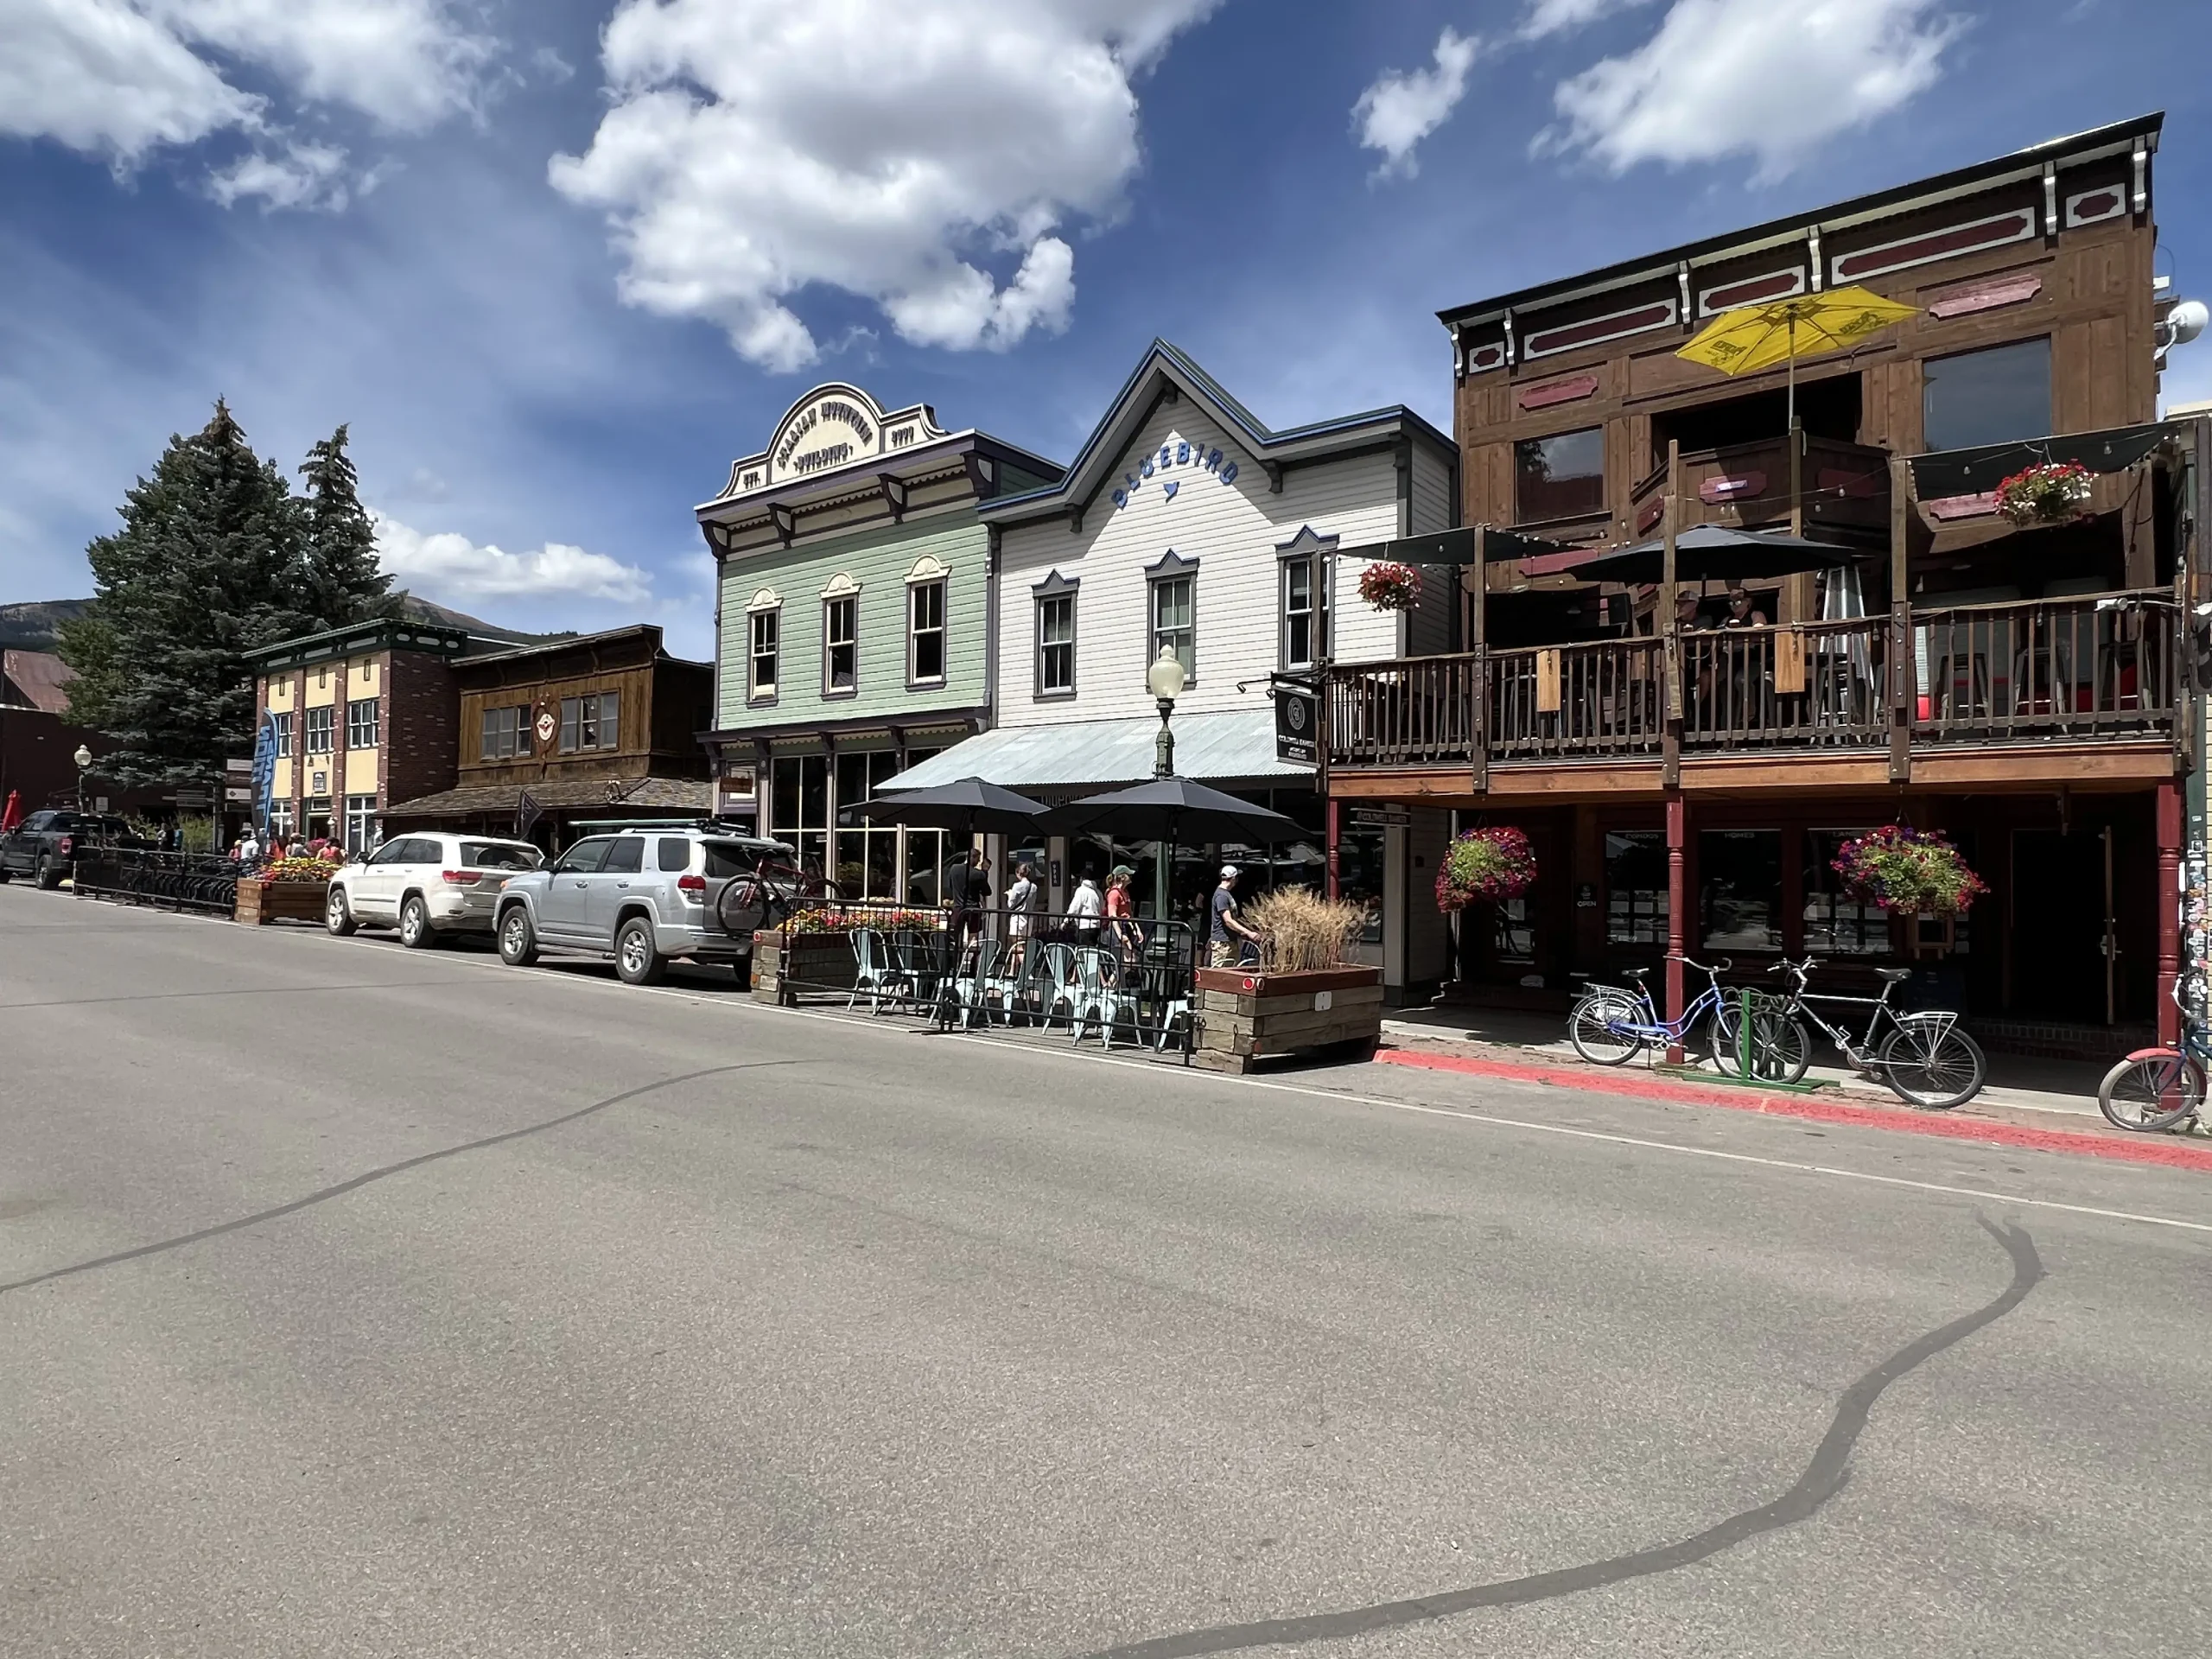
(1231, 938)
(1121, 912)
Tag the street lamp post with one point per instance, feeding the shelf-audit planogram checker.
(83, 758)
(1165, 679)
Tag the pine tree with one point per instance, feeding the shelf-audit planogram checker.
(207, 567)
(87, 643)
(346, 585)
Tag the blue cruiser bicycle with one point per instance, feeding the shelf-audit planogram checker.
(1611, 1024)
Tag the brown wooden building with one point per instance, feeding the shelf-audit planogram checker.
(2026, 689)
(601, 727)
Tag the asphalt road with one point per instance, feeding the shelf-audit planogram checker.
(361, 1301)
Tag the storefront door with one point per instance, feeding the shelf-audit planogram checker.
(2062, 917)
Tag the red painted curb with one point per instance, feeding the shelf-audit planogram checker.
(2171, 1154)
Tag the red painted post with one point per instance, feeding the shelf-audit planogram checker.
(1677, 905)
(1334, 828)
(2169, 909)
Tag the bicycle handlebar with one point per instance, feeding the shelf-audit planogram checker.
(1726, 964)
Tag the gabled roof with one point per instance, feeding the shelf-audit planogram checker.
(1165, 373)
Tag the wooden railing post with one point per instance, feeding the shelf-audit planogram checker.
(1670, 631)
(1905, 689)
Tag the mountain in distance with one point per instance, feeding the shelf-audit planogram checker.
(30, 624)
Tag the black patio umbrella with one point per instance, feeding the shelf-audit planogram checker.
(1709, 553)
(968, 804)
(1168, 807)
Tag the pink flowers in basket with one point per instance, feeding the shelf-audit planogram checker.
(1483, 866)
(1911, 871)
(1388, 586)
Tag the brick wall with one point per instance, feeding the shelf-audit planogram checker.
(421, 733)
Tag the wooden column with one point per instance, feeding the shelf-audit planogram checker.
(1904, 687)
(1670, 631)
(1677, 916)
(2170, 835)
(1332, 810)
(1478, 665)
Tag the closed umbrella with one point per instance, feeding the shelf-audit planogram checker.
(1168, 807)
(12, 814)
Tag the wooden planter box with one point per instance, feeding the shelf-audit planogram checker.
(1246, 1017)
(282, 901)
(786, 964)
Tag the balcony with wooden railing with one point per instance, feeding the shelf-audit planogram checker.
(2052, 674)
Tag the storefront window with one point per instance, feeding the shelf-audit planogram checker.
(1739, 889)
(1836, 925)
(1359, 877)
(1635, 888)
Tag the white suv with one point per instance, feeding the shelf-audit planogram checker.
(427, 885)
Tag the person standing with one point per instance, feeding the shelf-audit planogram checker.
(1121, 929)
(1021, 901)
(1085, 908)
(1231, 937)
(974, 894)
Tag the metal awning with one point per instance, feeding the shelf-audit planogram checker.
(1230, 746)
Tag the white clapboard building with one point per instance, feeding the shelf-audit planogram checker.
(1186, 523)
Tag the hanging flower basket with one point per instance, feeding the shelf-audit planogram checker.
(1484, 866)
(2048, 494)
(1391, 586)
(1913, 872)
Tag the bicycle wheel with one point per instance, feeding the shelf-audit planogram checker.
(2151, 1091)
(1782, 1049)
(1593, 1029)
(1932, 1063)
(743, 904)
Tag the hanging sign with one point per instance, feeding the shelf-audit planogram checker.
(546, 727)
(1294, 726)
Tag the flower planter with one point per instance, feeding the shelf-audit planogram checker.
(785, 965)
(1246, 1017)
(280, 901)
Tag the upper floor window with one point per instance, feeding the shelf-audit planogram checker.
(1056, 637)
(926, 632)
(1301, 611)
(841, 649)
(505, 733)
(765, 632)
(321, 725)
(361, 723)
(281, 724)
(591, 722)
(1995, 396)
(1174, 596)
(1560, 476)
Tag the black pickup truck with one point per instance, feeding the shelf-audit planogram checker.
(44, 847)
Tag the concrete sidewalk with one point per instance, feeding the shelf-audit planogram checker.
(2017, 1082)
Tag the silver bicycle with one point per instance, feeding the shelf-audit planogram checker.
(1924, 1058)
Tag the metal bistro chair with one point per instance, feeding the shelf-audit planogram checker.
(1168, 986)
(971, 987)
(873, 976)
(1056, 980)
(1100, 995)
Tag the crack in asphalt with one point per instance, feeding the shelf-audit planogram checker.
(1823, 1478)
(355, 1183)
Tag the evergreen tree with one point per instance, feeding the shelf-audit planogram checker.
(87, 643)
(346, 585)
(207, 567)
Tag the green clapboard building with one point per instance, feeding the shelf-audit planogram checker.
(855, 624)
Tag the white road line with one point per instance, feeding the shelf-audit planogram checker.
(1346, 1096)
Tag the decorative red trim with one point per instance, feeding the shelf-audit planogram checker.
(1483, 358)
(1775, 285)
(1962, 506)
(1654, 510)
(1614, 325)
(2094, 207)
(1558, 391)
(1716, 490)
(1991, 232)
(1986, 296)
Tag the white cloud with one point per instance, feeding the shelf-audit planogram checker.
(447, 565)
(119, 78)
(304, 175)
(1546, 18)
(1771, 78)
(1402, 107)
(755, 148)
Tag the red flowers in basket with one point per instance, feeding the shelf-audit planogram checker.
(2048, 493)
(1388, 586)
(1911, 871)
(1483, 866)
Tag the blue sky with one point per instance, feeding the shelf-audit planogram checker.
(559, 261)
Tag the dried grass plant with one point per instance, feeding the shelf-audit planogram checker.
(1301, 930)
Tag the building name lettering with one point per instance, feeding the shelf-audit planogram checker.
(828, 455)
(1167, 460)
(830, 409)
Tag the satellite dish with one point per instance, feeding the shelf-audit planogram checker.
(2186, 321)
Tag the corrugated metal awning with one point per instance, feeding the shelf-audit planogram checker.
(1231, 746)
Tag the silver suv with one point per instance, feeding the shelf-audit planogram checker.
(641, 896)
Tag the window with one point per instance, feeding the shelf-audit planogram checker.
(321, 725)
(361, 723)
(764, 627)
(1990, 397)
(625, 856)
(1837, 925)
(1560, 477)
(814, 803)
(498, 855)
(584, 857)
(1174, 582)
(1635, 888)
(361, 811)
(726, 858)
(1739, 877)
(282, 725)
(591, 722)
(1055, 676)
(672, 856)
(926, 633)
(395, 852)
(319, 824)
(506, 734)
(1300, 641)
(279, 818)
(841, 645)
